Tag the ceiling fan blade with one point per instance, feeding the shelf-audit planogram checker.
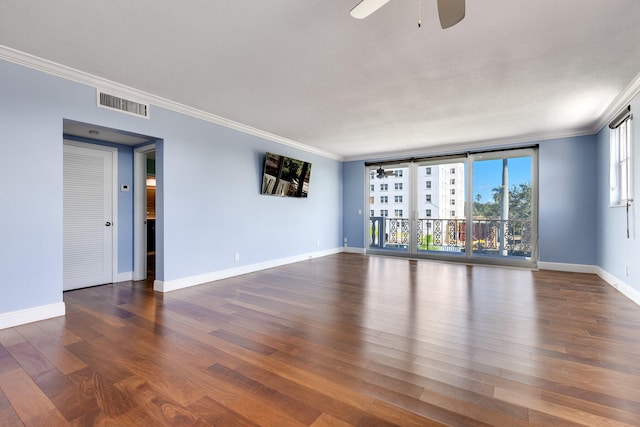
(451, 12)
(366, 8)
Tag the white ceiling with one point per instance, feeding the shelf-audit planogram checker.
(308, 72)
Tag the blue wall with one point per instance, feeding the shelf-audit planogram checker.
(209, 191)
(354, 203)
(567, 220)
(615, 251)
(567, 200)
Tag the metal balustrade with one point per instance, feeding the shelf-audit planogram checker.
(490, 237)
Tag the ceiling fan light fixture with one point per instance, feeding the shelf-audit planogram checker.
(366, 8)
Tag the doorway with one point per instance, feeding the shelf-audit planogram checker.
(145, 214)
(127, 223)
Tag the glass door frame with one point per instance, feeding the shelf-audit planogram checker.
(532, 260)
(412, 246)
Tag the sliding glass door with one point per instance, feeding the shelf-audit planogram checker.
(440, 207)
(425, 208)
(503, 214)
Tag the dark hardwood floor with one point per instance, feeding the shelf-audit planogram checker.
(344, 340)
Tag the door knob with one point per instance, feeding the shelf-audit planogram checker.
(108, 224)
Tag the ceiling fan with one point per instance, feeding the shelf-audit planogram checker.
(450, 11)
(381, 173)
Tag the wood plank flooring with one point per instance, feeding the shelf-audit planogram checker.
(344, 340)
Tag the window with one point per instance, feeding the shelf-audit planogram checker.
(453, 214)
(398, 213)
(384, 212)
(428, 198)
(428, 213)
(453, 191)
(453, 171)
(372, 175)
(371, 200)
(399, 172)
(427, 171)
(427, 184)
(372, 187)
(619, 160)
(371, 213)
(398, 199)
(384, 187)
(384, 199)
(398, 186)
(452, 202)
(453, 181)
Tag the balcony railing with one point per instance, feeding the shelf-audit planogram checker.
(489, 236)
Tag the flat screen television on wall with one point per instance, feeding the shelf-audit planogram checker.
(284, 176)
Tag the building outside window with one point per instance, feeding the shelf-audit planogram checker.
(398, 213)
(427, 171)
(384, 199)
(428, 198)
(398, 186)
(398, 199)
(428, 213)
(384, 187)
(427, 185)
(384, 212)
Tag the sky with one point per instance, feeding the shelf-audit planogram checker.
(487, 175)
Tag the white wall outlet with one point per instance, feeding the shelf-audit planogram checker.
(124, 188)
(236, 256)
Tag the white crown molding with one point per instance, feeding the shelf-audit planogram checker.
(21, 58)
(487, 144)
(620, 102)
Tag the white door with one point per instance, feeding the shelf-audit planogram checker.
(88, 216)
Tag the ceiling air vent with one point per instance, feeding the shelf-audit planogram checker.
(118, 103)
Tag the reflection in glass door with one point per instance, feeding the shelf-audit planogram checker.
(503, 222)
(440, 199)
(389, 208)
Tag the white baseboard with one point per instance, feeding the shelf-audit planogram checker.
(185, 282)
(572, 268)
(624, 288)
(350, 250)
(33, 314)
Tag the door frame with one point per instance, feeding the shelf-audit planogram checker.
(468, 158)
(114, 197)
(140, 211)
